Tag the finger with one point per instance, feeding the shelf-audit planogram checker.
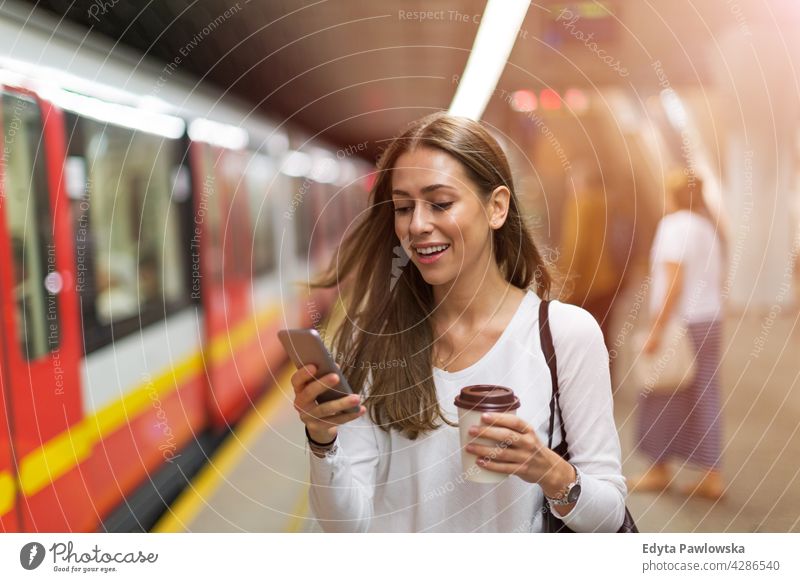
(316, 387)
(499, 454)
(494, 433)
(302, 376)
(328, 409)
(511, 421)
(499, 467)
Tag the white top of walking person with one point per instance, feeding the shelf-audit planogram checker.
(687, 238)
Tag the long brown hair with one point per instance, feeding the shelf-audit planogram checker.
(387, 304)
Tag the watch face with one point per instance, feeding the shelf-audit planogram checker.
(574, 493)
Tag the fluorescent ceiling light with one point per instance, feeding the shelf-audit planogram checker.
(219, 134)
(495, 39)
(296, 164)
(324, 170)
(116, 114)
(277, 144)
(40, 78)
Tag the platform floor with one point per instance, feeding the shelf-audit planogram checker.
(258, 481)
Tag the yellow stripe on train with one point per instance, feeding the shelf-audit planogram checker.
(62, 453)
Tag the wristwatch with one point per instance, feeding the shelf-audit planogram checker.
(568, 494)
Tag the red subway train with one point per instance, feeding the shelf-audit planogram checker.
(148, 255)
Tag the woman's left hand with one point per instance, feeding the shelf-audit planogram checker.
(519, 452)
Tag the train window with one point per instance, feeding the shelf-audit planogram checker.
(261, 180)
(30, 225)
(129, 248)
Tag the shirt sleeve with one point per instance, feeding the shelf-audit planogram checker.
(587, 405)
(342, 484)
(672, 239)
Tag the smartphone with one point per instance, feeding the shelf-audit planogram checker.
(305, 347)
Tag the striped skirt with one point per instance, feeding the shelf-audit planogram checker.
(687, 425)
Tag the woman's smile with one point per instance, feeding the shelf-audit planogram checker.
(430, 253)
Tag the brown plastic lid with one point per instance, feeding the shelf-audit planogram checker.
(487, 398)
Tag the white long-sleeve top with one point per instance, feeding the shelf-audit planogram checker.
(383, 482)
(688, 238)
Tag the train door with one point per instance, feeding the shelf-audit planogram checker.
(224, 263)
(38, 307)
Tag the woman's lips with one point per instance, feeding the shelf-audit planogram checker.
(432, 258)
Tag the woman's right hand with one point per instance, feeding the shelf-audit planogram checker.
(321, 420)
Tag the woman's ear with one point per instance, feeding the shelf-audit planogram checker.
(497, 208)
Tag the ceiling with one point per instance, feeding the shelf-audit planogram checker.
(356, 71)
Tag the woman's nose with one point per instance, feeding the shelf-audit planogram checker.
(420, 219)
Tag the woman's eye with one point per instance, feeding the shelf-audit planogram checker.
(434, 205)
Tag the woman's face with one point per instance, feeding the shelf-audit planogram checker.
(439, 217)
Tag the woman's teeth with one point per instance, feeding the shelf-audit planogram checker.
(432, 250)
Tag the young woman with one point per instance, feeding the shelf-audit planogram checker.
(686, 272)
(462, 310)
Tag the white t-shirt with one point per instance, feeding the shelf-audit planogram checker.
(383, 482)
(689, 239)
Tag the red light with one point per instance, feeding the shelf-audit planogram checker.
(550, 99)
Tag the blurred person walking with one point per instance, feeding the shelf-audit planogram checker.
(686, 271)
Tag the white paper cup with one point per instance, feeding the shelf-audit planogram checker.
(471, 403)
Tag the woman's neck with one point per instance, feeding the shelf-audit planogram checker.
(472, 300)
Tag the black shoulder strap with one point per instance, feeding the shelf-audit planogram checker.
(546, 340)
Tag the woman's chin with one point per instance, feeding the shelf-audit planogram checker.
(435, 279)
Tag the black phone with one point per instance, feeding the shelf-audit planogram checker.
(304, 347)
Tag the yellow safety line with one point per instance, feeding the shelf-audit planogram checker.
(59, 455)
(299, 513)
(208, 480)
(6, 492)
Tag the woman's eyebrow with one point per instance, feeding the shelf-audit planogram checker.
(423, 190)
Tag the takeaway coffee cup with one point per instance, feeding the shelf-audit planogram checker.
(471, 403)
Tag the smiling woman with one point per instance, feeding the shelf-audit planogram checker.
(445, 181)
(463, 310)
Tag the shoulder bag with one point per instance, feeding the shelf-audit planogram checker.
(553, 524)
